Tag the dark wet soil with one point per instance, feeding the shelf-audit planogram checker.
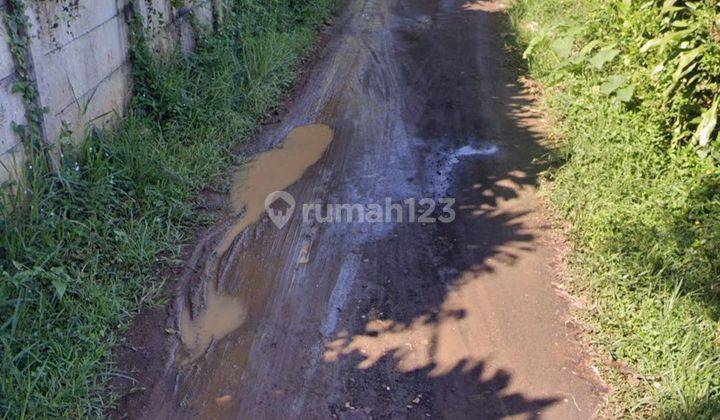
(384, 320)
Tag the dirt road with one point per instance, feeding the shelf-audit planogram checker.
(383, 320)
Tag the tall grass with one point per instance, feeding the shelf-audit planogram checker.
(631, 88)
(81, 248)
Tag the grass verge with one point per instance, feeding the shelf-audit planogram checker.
(630, 88)
(80, 249)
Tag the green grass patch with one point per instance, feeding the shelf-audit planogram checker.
(80, 249)
(631, 90)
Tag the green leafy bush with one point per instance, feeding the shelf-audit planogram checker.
(661, 55)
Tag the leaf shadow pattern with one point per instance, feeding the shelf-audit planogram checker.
(402, 352)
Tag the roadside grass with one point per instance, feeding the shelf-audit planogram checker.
(640, 189)
(81, 249)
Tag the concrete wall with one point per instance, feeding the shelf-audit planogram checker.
(79, 51)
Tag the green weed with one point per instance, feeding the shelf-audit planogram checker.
(80, 248)
(631, 88)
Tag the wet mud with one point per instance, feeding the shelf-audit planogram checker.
(408, 100)
(223, 312)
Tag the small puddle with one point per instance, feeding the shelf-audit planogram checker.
(222, 315)
(271, 171)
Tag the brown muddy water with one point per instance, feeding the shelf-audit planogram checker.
(271, 171)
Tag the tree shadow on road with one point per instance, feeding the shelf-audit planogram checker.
(411, 393)
(402, 342)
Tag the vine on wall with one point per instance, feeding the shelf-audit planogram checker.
(57, 14)
(30, 134)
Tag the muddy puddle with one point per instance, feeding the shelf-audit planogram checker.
(271, 171)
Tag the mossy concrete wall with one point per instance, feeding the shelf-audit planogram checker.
(80, 59)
